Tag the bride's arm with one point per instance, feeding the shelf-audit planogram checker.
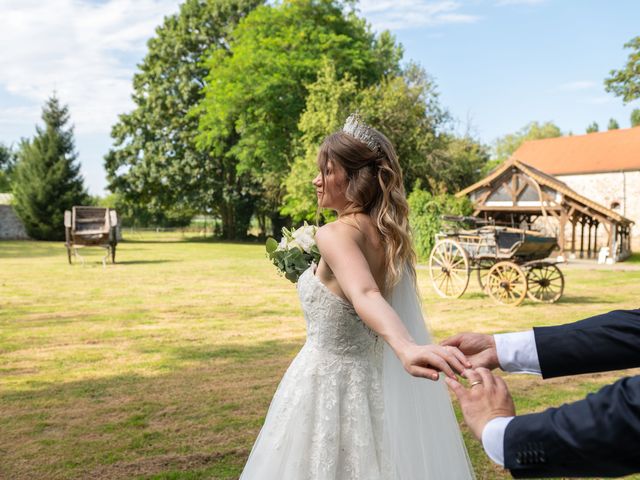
(339, 247)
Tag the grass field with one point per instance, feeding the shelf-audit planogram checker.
(163, 365)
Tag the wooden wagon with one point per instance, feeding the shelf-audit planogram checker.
(511, 264)
(91, 227)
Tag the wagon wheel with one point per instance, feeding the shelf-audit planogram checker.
(449, 269)
(507, 283)
(482, 272)
(545, 283)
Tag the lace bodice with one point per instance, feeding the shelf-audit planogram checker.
(332, 323)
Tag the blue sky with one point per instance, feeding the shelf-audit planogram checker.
(498, 64)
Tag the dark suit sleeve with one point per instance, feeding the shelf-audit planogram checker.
(602, 343)
(597, 436)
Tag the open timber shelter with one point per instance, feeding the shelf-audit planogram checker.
(519, 195)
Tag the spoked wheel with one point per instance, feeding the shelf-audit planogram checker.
(483, 270)
(449, 269)
(507, 283)
(545, 283)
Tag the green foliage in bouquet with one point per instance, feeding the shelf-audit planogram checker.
(295, 252)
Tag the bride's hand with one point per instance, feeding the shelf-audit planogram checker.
(427, 360)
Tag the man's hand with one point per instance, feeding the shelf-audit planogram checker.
(486, 399)
(479, 349)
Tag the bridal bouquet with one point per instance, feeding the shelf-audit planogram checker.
(295, 252)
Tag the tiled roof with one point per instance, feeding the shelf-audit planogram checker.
(609, 151)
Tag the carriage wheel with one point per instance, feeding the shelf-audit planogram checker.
(482, 272)
(449, 269)
(507, 283)
(545, 283)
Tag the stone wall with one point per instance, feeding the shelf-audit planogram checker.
(11, 227)
(609, 189)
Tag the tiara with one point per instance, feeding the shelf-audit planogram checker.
(355, 127)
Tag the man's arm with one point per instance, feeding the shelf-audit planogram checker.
(597, 344)
(602, 343)
(596, 436)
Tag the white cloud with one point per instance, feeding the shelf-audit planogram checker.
(577, 85)
(401, 14)
(84, 50)
(503, 3)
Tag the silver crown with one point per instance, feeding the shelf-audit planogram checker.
(355, 127)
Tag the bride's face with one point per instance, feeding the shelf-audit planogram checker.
(331, 191)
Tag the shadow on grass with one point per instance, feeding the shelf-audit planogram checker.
(194, 240)
(236, 352)
(199, 420)
(30, 249)
(140, 262)
(574, 299)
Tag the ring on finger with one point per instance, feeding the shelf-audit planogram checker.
(477, 382)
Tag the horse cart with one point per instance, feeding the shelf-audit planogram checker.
(510, 263)
(91, 227)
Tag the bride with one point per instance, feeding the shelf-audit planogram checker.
(351, 404)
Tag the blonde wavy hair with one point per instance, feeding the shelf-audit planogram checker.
(375, 187)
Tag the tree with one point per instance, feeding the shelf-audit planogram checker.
(47, 178)
(155, 165)
(405, 107)
(613, 124)
(505, 146)
(635, 118)
(256, 91)
(593, 127)
(426, 210)
(625, 83)
(7, 163)
(328, 100)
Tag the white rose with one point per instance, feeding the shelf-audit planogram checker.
(304, 237)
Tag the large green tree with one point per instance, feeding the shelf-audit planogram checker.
(405, 107)
(47, 178)
(257, 90)
(635, 117)
(625, 82)
(155, 165)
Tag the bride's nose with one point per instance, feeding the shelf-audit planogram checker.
(317, 181)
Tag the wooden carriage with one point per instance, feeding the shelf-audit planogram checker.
(511, 264)
(91, 227)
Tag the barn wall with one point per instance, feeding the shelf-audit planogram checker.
(607, 188)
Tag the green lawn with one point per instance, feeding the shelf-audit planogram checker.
(163, 365)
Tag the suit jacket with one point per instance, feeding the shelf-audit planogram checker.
(596, 436)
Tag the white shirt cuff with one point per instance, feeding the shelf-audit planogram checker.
(517, 352)
(493, 438)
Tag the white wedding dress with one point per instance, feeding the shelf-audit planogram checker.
(346, 410)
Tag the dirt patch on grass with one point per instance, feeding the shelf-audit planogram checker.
(163, 463)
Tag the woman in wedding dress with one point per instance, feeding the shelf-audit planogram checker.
(362, 399)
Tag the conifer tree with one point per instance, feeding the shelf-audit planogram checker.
(47, 178)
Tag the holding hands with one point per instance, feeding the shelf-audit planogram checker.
(480, 349)
(427, 360)
(487, 396)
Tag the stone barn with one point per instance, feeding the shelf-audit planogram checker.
(11, 228)
(602, 166)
